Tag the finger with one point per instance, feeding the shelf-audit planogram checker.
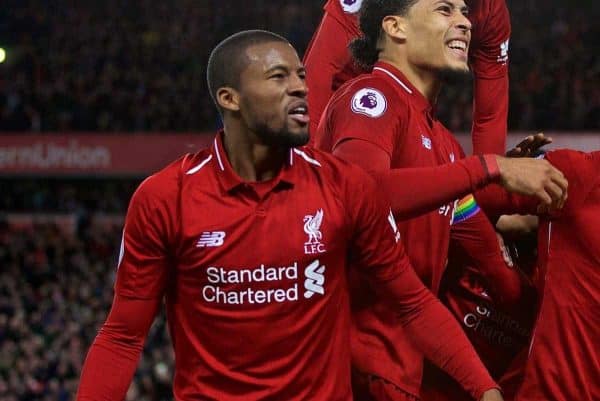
(525, 142)
(543, 138)
(539, 140)
(544, 197)
(542, 209)
(559, 179)
(556, 193)
(514, 152)
(563, 184)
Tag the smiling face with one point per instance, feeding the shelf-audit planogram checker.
(438, 35)
(272, 95)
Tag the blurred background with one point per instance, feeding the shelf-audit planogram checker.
(94, 96)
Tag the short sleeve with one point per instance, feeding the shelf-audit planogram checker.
(376, 245)
(144, 259)
(367, 113)
(488, 55)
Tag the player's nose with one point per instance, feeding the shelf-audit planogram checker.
(463, 23)
(297, 85)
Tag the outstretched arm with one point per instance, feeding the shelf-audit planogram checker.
(424, 318)
(114, 355)
(414, 191)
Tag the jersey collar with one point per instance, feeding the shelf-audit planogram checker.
(403, 85)
(229, 179)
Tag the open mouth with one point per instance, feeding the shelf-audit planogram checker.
(458, 47)
(300, 114)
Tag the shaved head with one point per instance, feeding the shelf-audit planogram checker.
(229, 59)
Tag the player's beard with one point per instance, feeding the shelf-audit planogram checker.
(455, 76)
(280, 137)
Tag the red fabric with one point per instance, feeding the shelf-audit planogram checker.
(565, 342)
(488, 57)
(251, 318)
(233, 348)
(367, 387)
(498, 333)
(115, 353)
(381, 122)
(423, 323)
(329, 59)
(490, 115)
(476, 241)
(330, 72)
(437, 185)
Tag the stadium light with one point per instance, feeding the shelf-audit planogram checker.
(2, 55)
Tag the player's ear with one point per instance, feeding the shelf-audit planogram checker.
(228, 98)
(395, 27)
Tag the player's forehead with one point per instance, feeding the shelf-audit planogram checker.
(433, 4)
(266, 56)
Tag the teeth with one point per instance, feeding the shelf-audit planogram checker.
(299, 110)
(457, 44)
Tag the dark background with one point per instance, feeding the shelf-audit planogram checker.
(119, 66)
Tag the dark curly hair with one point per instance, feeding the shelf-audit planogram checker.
(364, 48)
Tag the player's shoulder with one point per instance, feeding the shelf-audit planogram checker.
(163, 187)
(369, 94)
(570, 159)
(333, 170)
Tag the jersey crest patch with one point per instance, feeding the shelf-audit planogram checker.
(370, 102)
(351, 6)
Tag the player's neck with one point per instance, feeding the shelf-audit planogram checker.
(251, 160)
(426, 81)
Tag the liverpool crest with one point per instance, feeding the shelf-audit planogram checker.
(312, 228)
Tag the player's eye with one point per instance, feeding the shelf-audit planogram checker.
(445, 9)
(278, 75)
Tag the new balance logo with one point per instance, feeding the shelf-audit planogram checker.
(315, 279)
(211, 238)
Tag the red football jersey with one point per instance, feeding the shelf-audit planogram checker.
(329, 64)
(327, 59)
(499, 331)
(564, 356)
(255, 273)
(498, 335)
(384, 109)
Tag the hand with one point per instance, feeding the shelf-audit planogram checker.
(492, 395)
(516, 226)
(535, 178)
(529, 145)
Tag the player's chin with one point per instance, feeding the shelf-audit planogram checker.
(298, 137)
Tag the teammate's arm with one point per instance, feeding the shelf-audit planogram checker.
(582, 170)
(328, 62)
(489, 61)
(141, 280)
(476, 237)
(114, 355)
(414, 191)
(377, 249)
